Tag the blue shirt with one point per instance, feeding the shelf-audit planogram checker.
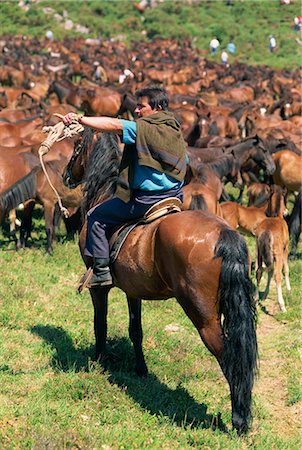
(146, 178)
(231, 48)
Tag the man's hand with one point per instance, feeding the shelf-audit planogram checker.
(69, 118)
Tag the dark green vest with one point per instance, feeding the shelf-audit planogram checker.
(160, 145)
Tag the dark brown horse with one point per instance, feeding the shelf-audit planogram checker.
(193, 256)
(35, 187)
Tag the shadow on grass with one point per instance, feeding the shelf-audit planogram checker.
(66, 357)
(176, 405)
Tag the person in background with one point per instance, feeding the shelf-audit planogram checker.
(272, 43)
(214, 44)
(296, 23)
(224, 56)
(231, 46)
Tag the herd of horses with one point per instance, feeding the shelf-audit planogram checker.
(242, 128)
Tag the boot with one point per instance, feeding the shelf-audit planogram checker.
(101, 273)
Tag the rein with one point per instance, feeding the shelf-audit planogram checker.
(57, 133)
(67, 175)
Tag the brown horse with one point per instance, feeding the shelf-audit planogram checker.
(205, 186)
(288, 171)
(34, 186)
(192, 256)
(272, 241)
(247, 218)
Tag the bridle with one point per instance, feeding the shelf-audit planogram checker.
(67, 175)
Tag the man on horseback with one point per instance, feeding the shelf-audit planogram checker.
(152, 168)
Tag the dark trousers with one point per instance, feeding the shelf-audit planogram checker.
(104, 218)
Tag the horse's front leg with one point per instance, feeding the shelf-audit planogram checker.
(99, 298)
(136, 334)
(49, 209)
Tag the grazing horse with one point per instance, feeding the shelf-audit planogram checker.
(193, 256)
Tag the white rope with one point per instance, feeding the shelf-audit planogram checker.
(57, 133)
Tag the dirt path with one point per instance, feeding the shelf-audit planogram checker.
(271, 386)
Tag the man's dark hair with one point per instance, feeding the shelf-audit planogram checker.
(156, 95)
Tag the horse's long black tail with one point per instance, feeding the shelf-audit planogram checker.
(24, 189)
(239, 359)
(264, 248)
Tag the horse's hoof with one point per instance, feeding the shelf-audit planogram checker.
(241, 426)
(102, 360)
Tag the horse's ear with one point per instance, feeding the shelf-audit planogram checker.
(284, 192)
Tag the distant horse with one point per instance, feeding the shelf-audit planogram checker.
(258, 194)
(193, 256)
(252, 148)
(294, 222)
(34, 186)
(206, 185)
(272, 249)
(288, 171)
(247, 218)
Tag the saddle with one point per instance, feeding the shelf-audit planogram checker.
(161, 208)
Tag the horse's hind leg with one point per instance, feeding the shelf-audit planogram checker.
(270, 273)
(286, 269)
(259, 272)
(278, 279)
(26, 222)
(12, 228)
(136, 334)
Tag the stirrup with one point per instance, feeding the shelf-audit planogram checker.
(84, 281)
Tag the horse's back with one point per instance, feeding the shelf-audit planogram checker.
(288, 171)
(158, 258)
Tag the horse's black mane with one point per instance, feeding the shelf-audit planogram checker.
(273, 208)
(102, 170)
(223, 166)
(24, 189)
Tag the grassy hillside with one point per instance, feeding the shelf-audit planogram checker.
(249, 21)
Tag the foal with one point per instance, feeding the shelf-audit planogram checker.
(247, 218)
(272, 241)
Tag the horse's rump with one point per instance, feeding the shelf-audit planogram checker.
(171, 241)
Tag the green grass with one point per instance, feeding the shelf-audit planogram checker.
(249, 21)
(53, 394)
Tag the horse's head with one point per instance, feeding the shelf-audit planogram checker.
(74, 171)
(276, 205)
(261, 155)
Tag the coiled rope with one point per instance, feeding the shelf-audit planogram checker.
(57, 133)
